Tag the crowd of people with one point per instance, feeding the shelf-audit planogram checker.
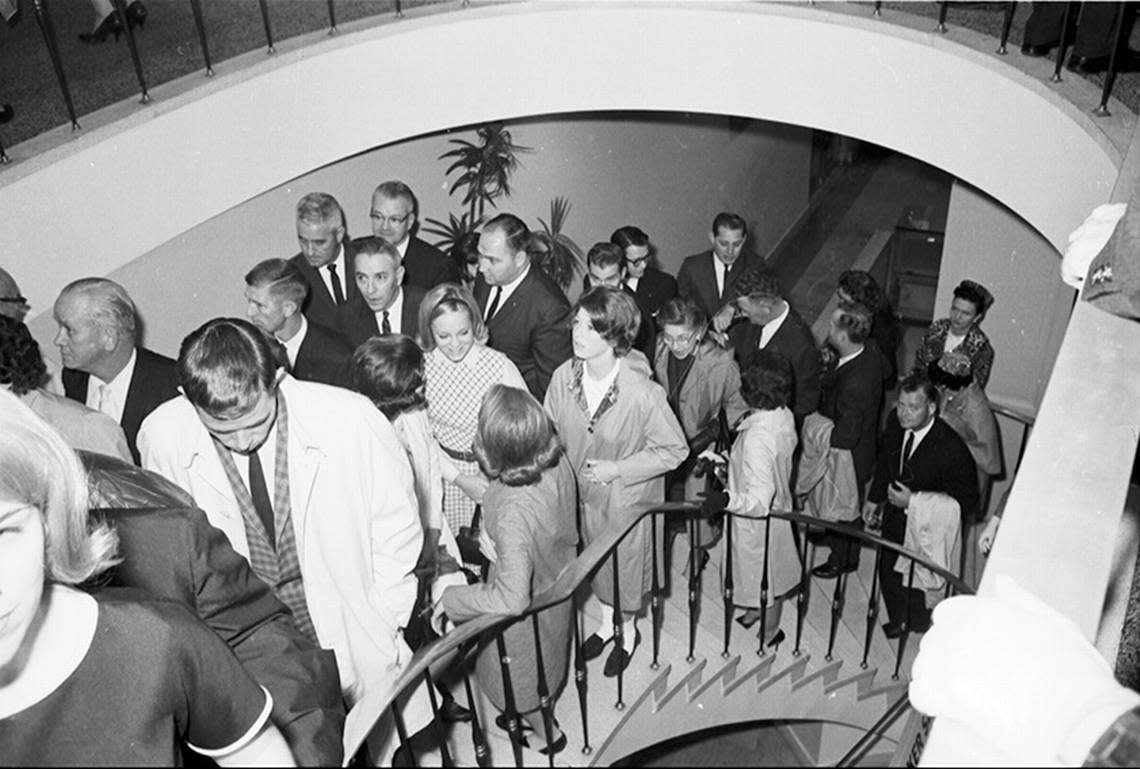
(386, 422)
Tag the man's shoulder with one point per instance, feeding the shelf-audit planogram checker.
(325, 339)
(693, 261)
(537, 283)
(413, 295)
(174, 411)
(153, 361)
(421, 248)
(325, 408)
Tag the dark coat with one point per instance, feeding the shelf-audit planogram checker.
(357, 322)
(172, 552)
(851, 398)
(319, 307)
(154, 382)
(696, 279)
(324, 356)
(795, 342)
(942, 463)
(426, 266)
(532, 327)
(654, 289)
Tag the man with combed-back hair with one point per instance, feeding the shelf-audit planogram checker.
(394, 214)
(103, 367)
(310, 483)
(326, 256)
(527, 315)
(275, 292)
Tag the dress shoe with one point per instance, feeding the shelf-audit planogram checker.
(524, 725)
(6, 113)
(619, 658)
(594, 645)
(776, 639)
(893, 629)
(748, 619)
(1036, 50)
(108, 26)
(1128, 61)
(454, 713)
(831, 571)
(557, 747)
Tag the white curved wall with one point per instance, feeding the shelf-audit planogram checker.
(119, 191)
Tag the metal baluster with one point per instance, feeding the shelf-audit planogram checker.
(200, 23)
(544, 701)
(872, 607)
(580, 679)
(1006, 23)
(764, 588)
(1110, 76)
(4, 159)
(942, 8)
(402, 732)
(1063, 43)
(618, 630)
(332, 17)
(728, 582)
(47, 29)
(121, 13)
(906, 625)
(436, 722)
(478, 739)
(878, 8)
(268, 28)
(399, 9)
(694, 584)
(837, 600)
(655, 596)
(805, 587)
(514, 729)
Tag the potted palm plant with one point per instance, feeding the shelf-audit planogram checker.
(561, 258)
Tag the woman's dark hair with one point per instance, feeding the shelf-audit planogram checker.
(680, 311)
(614, 315)
(861, 288)
(465, 252)
(515, 440)
(976, 294)
(389, 371)
(21, 365)
(766, 382)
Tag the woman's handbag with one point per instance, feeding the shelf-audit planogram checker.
(468, 540)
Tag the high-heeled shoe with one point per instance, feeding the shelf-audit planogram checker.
(136, 14)
(108, 26)
(748, 619)
(777, 639)
(6, 113)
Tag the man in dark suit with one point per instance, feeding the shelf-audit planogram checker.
(103, 367)
(605, 266)
(325, 260)
(527, 315)
(708, 277)
(651, 287)
(851, 394)
(275, 292)
(384, 305)
(918, 453)
(774, 325)
(394, 214)
(170, 550)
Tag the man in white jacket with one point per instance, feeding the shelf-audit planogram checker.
(310, 483)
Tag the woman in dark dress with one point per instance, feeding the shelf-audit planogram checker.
(530, 537)
(101, 680)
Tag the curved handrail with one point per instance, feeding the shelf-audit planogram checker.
(1010, 413)
(366, 712)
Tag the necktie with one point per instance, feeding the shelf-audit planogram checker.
(106, 400)
(493, 307)
(385, 325)
(338, 292)
(907, 447)
(260, 496)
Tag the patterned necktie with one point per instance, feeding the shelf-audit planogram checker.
(385, 325)
(338, 293)
(261, 502)
(493, 307)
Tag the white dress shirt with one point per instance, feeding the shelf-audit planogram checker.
(506, 291)
(772, 326)
(395, 311)
(293, 345)
(341, 273)
(110, 397)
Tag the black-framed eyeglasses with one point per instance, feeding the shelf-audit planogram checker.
(642, 260)
(391, 221)
(14, 299)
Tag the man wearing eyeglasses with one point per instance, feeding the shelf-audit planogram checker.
(12, 303)
(650, 286)
(394, 208)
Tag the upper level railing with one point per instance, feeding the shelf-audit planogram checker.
(148, 72)
(489, 628)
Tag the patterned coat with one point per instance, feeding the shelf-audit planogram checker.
(976, 345)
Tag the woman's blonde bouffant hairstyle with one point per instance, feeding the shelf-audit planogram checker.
(515, 440)
(39, 468)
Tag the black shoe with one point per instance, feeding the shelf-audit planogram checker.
(593, 646)
(524, 726)
(108, 26)
(453, 713)
(893, 629)
(1036, 50)
(817, 536)
(1128, 61)
(554, 749)
(136, 15)
(747, 623)
(619, 658)
(919, 628)
(776, 639)
(831, 571)
(6, 113)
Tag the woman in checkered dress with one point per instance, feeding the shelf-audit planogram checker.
(460, 369)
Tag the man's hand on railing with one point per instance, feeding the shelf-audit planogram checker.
(1019, 674)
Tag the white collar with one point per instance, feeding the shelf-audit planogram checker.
(509, 289)
(772, 326)
(395, 313)
(293, 344)
(402, 246)
(849, 358)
